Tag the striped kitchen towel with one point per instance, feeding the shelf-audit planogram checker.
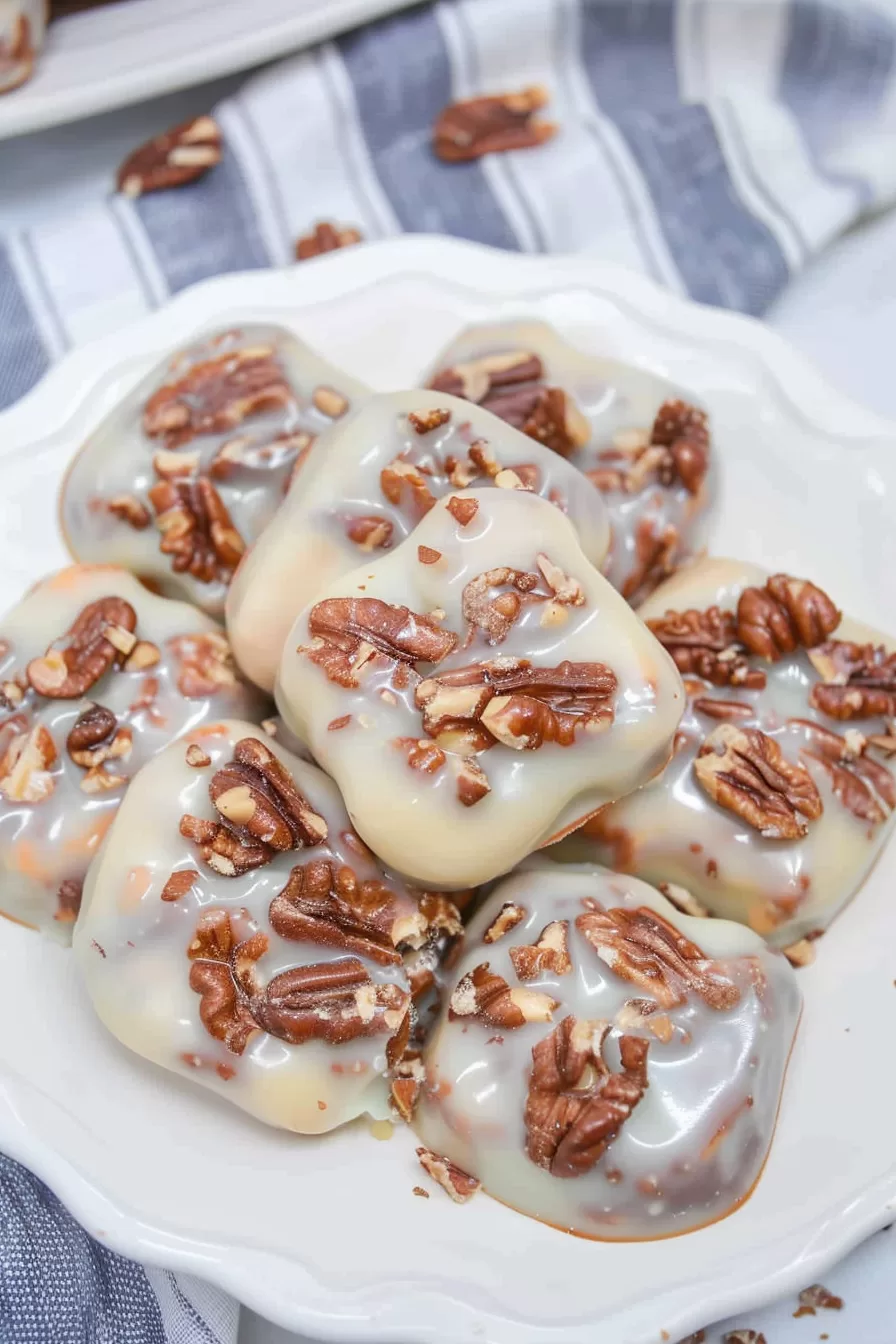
(714, 144)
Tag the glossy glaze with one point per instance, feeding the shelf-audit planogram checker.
(48, 842)
(672, 831)
(341, 484)
(694, 1144)
(415, 819)
(262, 447)
(615, 399)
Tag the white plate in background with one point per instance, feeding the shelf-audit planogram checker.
(121, 53)
(326, 1236)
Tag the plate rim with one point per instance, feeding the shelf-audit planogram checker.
(72, 391)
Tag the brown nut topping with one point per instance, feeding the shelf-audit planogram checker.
(745, 771)
(369, 532)
(93, 726)
(549, 953)
(325, 237)
(506, 919)
(179, 884)
(257, 795)
(406, 1085)
(172, 159)
(682, 899)
(96, 640)
(488, 998)
(68, 900)
(818, 1297)
(859, 680)
(866, 788)
(705, 644)
(224, 974)
(655, 551)
(456, 1182)
(743, 1337)
(222, 849)
(490, 375)
(352, 630)
(785, 615)
(682, 429)
(25, 766)
(129, 509)
(471, 781)
(495, 613)
(197, 529)
(327, 904)
(217, 394)
(426, 421)
(206, 664)
(428, 556)
(642, 947)
(570, 1122)
(476, 126)
(404, 485)
(421, 754)
(463, 511)
(197, 757)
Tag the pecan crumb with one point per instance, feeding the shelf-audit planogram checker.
(453, 1180)
(476, 126)
(326, 237)
(425, 421)
(179, 884)
(197, 757)
(506, 919)
(172, 159)
(743, 1337)
(418, 1190)
(801, 953)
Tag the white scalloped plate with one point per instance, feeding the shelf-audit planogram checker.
(326, 1236)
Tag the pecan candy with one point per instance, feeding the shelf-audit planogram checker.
(467, 668)
(590, 1109)
(244, 923)
(477, 126)
(95, 679)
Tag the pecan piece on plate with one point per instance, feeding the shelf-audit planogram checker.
(550, 952)
(327, 904)
(487, 997)
(745, 771)
(865, 787)
(25, 766)
(785, 615)
(216, 395)
(325, 237)
(173, 158)
(858, 680)
(456, 1182)
(705, 644)
(206, 663)
(476, 126)
(197, 529)
(350, 631)
(334, 1001)
(101, 635)
(645, 949)
(570, 1124)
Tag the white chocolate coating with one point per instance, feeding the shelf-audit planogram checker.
(248, 462)
(307, 544)
(136, 950)
(49, 838)
(22, 27)
(616, 400)
(693, 1146)
(414, 818)
(672, 831)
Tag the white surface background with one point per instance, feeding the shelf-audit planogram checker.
(842, 313)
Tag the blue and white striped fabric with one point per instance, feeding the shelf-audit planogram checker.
(715, 146)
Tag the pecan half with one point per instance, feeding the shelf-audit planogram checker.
(197, 529)
(549, 953)
(705, 644)
(859, 680)
(172, 159)
(683, 430)
(206, 664)
(100, 636)
(325, 237)
(456, 1182)
(745, 771)
(785, 615)
(645, 949)
(488, 998)
(570, 1123)
(352, 630)
(476, 126)
(326, 903)
(224, 974)
(25, 766)
(866, 788)
(655, 550)
(217, 394)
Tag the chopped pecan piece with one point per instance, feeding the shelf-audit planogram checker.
(216, 395)
(705, 644)
(327, 904)
(745, 771)
(642, 947)
(258, 797)
(225, 975)
(129, 509)
(427, 556)
(550, 952)
(143, 655)
(817, 1296)
(170, 465)
(506, 919)
(456, 1182)
(426, 421)
(859, 680)
(463, 510)
(800, 953)
(682, 429)
(785, 615)
(471, 781)
(172, 159)
(179, 884)
(644, 1015)
(491, 375)
(655, 550)
(570, 1123)
(196, 757)
(422, 754)
(555, 420)
(866, 788)
(68, 900)
(222, 849)
(197, 529)
(487, 997)
(496, 614)
(99, 636)
(476, 126)
(325, 237)
(369, 531)
(404, 485)
(406, 1085)
(566, 590)
(206, 663)
(329, 402)
(682, 899)
(352, 630)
